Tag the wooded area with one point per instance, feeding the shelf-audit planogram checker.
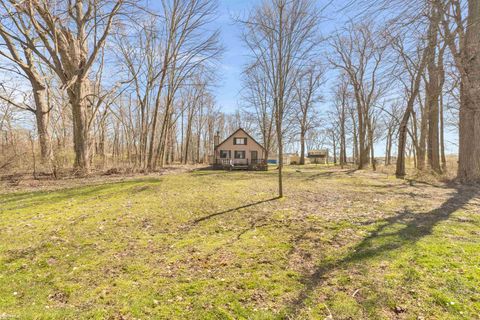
(117, 84)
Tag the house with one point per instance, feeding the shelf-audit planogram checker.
(239, 151)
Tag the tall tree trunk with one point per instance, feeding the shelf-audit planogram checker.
(42, 116)
(355, 146)
(469, 134)
(280, 160)
(372, 150)
(402, 131)
(343, 140)
(433, 92)
(77, 94)
(363, 152)
(422, 140)
(334, 148)
(388, 147)
(442, 137)
(198, 146)
(402, 143)
(302, 146)
(441, 73)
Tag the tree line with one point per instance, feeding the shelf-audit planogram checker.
(114, 81)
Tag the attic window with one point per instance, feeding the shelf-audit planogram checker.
(240, 141)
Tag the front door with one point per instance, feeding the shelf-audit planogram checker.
(254, 156)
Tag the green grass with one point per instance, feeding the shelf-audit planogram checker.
(219, 245)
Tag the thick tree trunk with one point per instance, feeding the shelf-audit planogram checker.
(363, 149)
(402, 143)
(42, 116)
(77, 94)
(469, 134)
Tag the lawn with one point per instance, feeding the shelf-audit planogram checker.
(342, 244)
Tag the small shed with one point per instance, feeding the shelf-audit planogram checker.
(318, 156)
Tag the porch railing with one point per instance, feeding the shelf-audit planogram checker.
(230, 161)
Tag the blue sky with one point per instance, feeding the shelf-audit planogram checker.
(235, 54)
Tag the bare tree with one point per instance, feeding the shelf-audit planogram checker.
(307, 95)
(140, 56)
(281, 35)
(73, 34)
(414, 67)
(463, 39)
(359, 54)
(15, 34)
(186, 47)
(342, 102)
(258, 98)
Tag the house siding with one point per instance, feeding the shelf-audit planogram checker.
(248, 148)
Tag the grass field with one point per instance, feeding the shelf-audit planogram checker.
(342, 244)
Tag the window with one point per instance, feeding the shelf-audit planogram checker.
(242, 141)
(224, 154)
(239, 154)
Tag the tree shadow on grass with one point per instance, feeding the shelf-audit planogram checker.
(212, 215)
(25, 200)
(400, 230)
(331, 173)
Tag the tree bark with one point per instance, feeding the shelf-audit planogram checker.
(433, 93)
(77, 94)
(42, 117)
(469, 134)
(302, 146)
(343, 140)
(421, 146)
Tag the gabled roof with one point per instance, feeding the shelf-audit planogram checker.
(318, 153)
(239, 129)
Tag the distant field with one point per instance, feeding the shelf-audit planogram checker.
(343, 244)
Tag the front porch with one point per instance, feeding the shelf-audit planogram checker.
(240, 164)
